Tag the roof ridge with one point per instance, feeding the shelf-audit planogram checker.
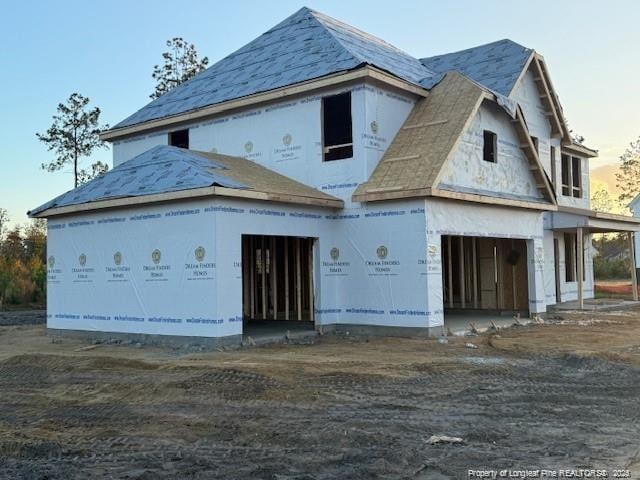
(322, 17)
(457, 52)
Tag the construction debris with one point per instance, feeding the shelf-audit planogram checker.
(440, 439)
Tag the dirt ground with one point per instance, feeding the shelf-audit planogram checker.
(565, 394)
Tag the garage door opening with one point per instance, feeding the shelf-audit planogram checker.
(277, 282)
(484, 276)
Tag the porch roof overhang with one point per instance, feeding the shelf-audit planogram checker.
(570, 218)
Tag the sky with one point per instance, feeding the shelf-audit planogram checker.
(107, 50)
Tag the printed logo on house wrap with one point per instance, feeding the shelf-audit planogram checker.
(374, 126)
(248, 147)
(201, 270)
(383, 266)
(52, 273)
(335, 268)
(157, 272)
(83, 274)
(289, 151)
(119, 272)
(433, 261)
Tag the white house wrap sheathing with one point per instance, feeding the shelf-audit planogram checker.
(448, 218)
(509, 177)
(176, 269)
(287, 137)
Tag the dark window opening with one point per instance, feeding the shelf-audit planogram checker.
(179, 138)
(565, 171)
(577, 177)
(490, 147)
(570, 251)
(336, 122)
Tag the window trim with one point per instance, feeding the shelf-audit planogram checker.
(576, 190)
(571, 188)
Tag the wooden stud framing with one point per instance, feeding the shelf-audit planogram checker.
(514, 287)
(463, 292)
(263, 277)
(252, 274)
(449, 272)
(245, 275)
(298, 280)
(580, 266)
(274, 277)
(632, 260)
(311, 290)
(474, 267)
(286, 278)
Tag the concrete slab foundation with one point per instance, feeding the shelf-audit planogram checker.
(384, 331)
(148, 339)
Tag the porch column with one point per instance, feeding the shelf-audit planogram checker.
(632, 261)
(535, 275)
(434, 283)
(580, 266)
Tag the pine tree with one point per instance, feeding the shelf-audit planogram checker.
(181, 63)
(73, 135)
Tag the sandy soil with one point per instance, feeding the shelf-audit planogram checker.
(561, 395)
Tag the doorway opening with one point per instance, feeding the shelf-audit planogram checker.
(484, 274)
(277, 280)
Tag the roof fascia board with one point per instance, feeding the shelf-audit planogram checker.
(554, 96)
(451, 195)
(189, 194)
(546, 91)
(263, 97)
(472, 197)
(546, 188)
(391, 195)
(598, 215)
(581, 150)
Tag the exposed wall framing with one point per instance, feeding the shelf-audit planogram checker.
(277, 278)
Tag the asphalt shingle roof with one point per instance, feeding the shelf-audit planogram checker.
(164, 169)
(304, 46)
(496, 65)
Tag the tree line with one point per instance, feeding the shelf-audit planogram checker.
(73, 137)
(23, 270)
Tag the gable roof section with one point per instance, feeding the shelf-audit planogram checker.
(163, 170)
(497, 65)
(412, 165)
(307, 45)
(417, 153)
